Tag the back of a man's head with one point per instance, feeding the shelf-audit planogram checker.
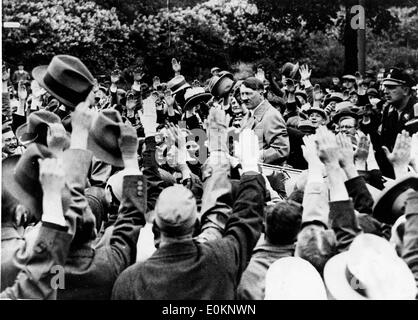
(316, 245)
(283, 221)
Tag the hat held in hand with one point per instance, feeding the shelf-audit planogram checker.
(177, 84)
(194, 96)
(222, 84)
(370, 269)
(293, 278)
(35, 128)
(66, 78)
(104, 135)
(21, 179)
(389, 206)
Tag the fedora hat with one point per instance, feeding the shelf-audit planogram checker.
(177, 83)
(388, 206)
(222, 84)
(66, 78)
(194, 96)
(35, 127)
(370, 269)
(21, 178)
(289, 70)
(293, 278)
(104, 135)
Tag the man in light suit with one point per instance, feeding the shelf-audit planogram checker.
(266, 121)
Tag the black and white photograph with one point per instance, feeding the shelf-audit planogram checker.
(220, 151)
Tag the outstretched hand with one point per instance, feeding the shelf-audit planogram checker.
(176, 135)
(176, 65)
(401, 154)
(305, 72)
(247, 150)
(148, 116)
(310, 152)
(327, 146)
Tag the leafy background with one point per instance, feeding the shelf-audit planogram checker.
(232, 34)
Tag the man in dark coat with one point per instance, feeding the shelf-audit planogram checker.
(186, 268)
(397, 111)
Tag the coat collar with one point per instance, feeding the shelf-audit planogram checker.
(174, 249)
(8, 232)
(266, 247)
(261, 110)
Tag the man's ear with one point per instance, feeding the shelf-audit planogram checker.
(21, 215)
(406, 90)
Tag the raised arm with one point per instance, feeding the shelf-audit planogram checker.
(48, 253)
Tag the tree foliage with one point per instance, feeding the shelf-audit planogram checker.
(223, 33)
(80, 28)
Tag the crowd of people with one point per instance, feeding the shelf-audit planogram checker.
(181, 190)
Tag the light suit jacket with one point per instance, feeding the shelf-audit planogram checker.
(269, 126)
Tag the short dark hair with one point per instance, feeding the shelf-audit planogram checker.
(283, 221)
(316, 245)
(253, 83)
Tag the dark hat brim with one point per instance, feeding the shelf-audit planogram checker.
(38, 74)
(383, 204)
(194, 100)
(10, 184)
(24, 136)
(103, 154)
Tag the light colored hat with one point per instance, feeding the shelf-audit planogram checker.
(318, 110)
(176, 211)
(370, 269)
(293, 278)
(177, 83)
(349, 77)
(195, 95)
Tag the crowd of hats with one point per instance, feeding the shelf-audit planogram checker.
(370, 259)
